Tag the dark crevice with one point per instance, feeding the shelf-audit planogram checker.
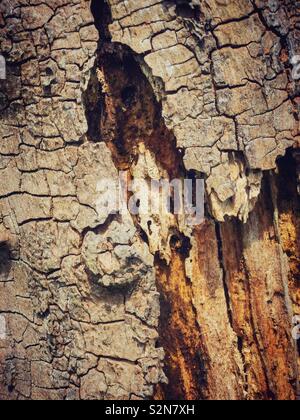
(102, 18)
(43, 314)
(93, 97)
(181, 244)
(187, 9)
(93, 104)
(10, 389)
(5, 260)
(221, 261)
(128, 112)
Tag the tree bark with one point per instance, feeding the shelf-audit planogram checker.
(145, 306)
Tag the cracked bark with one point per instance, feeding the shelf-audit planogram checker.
(141, 307)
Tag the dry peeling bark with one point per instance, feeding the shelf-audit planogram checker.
(140, 307)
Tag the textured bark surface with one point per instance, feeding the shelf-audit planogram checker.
(141, 307)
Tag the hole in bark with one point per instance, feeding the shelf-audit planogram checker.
(149, 223)
(174, 242)
(44, 315)
(5, 261)
(102, 16)
(143, 236)
(129, 112)
(47, 90)
(49, 71)
(208, 26)
(188, 9)
(93, 103)
(10, 389)
(181, 244)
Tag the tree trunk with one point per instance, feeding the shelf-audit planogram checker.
(124, 306)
